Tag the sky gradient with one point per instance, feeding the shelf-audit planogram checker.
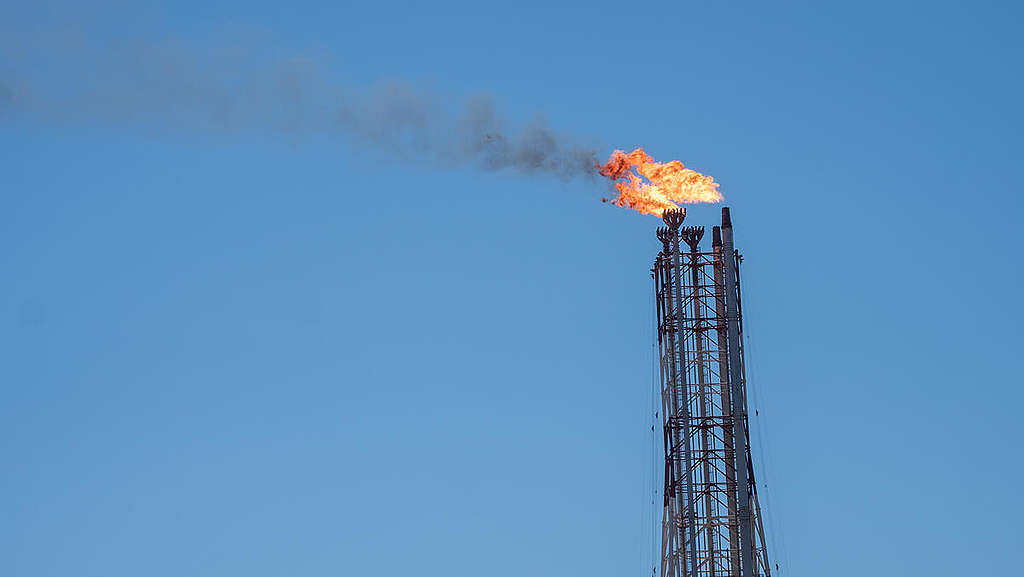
(279, 346)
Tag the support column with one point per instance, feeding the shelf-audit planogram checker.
(692, 236)
(674, 219)
(738, 400)
(723, 375)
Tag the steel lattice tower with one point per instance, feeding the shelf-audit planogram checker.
(712, 524)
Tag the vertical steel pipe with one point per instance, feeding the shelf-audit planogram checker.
(738, 398)
(692, 235)
(726, 398)
(674, 218)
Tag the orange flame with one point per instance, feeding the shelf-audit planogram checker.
(653, 187)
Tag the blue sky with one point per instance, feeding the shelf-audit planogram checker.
(279, 350)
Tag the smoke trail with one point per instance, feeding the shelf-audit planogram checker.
(399, 118)
(232, 90)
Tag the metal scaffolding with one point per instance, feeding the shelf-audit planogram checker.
(712, 525)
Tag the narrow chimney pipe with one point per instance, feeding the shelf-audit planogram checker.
(738, 397)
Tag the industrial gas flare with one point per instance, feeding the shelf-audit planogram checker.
(652, 187)
(231, 87)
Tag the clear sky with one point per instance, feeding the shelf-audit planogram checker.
(280, 349)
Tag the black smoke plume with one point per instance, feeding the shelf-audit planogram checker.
(230, 90)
